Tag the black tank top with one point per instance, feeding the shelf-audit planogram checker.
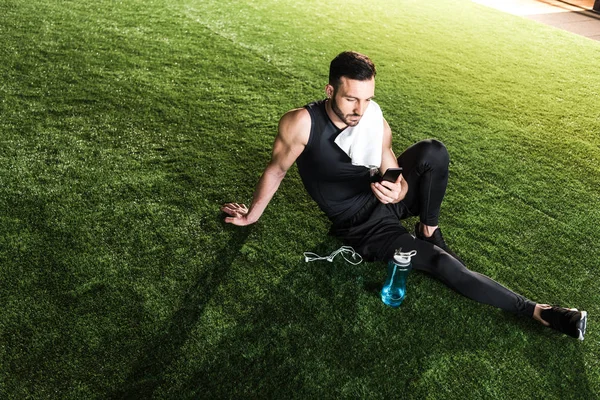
(339, 188)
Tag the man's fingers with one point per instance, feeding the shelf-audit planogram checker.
(391, 186)
(382, 197)
(385, 194)
(385, 184)
(234, 209)
(231, 206)
(388, 191)
(237, 214)
(228, 210)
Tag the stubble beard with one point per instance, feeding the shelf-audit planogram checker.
(341, 115)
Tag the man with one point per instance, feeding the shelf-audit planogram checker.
(367, 215)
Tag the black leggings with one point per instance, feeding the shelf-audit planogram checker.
(376, 232)
(425, 170)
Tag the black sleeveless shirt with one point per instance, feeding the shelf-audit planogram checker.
(339, 188)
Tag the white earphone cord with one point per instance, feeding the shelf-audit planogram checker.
(309, 256)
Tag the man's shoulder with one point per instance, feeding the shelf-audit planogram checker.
(294, 126)
(297, 119)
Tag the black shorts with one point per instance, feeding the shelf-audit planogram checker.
(375, 230)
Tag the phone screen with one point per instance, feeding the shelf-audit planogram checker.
(392, 174)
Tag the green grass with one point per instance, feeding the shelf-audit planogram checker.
(125, 125)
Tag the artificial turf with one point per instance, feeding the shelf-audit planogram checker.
(125, 125)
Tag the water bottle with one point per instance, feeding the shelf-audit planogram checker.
(394, 288)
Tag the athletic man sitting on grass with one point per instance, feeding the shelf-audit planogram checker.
(367, 215)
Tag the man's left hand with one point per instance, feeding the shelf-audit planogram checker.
(390, 192)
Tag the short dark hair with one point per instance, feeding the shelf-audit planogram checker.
(352, 65)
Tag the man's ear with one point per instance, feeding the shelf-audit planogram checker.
(329, 91)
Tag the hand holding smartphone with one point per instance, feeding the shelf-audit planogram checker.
(386, 193)
(392, 174)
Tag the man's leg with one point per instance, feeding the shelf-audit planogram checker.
(436, 262)
(380, 235)
(425, 169)
(447, 269)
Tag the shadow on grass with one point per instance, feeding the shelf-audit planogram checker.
(149, 372)
(297, 343)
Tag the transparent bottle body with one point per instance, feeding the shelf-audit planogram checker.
(394, 288)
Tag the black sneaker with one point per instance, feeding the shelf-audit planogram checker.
(437, 239)
(569, 322)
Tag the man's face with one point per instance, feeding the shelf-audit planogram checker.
(351, 98)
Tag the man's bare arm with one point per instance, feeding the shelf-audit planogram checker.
(292, 137)
(389, 192)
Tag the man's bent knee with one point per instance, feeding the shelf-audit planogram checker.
(436, 152)
(432, 153)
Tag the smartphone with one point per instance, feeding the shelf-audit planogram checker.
(392, 174)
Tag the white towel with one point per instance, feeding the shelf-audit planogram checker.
(363, 142)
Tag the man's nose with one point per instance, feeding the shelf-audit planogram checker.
(360, 107)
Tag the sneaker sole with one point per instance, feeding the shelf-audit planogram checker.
(581, 325)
